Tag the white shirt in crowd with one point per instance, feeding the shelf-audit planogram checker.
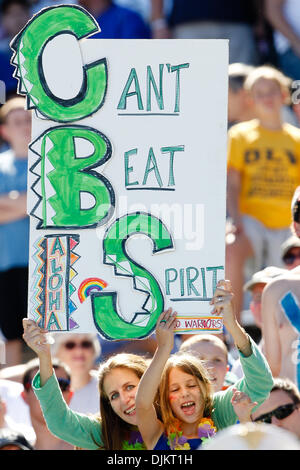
(291, 13)
(87, 399)
(17, 415)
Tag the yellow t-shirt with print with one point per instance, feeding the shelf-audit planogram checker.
(269, 164)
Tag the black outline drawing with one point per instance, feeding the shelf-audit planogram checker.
(114, 294)
(88, 170)
(14, 44)
(41, 309)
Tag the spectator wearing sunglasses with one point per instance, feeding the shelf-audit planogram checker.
(80, 352)
(44, 439)
(281, 315)
(290, 252)
(282, 408)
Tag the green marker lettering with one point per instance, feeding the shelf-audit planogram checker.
(29, 45)
(151, 83)
(126, 94)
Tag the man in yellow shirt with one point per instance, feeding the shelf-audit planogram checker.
(263, 172)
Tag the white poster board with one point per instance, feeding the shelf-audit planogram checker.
(127, 203)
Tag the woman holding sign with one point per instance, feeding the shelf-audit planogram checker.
(119, 377)
(190, 412)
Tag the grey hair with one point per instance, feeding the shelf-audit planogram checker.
(61, 338)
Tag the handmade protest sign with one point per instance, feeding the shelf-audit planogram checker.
(127, 176)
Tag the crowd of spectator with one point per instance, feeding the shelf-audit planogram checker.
(263, 213)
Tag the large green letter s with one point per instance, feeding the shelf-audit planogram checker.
(106, 317)
(29, 47)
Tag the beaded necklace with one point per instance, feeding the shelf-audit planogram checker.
(206, 430)
(135, 442)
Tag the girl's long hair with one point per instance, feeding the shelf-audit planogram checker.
(190, 365)
(114, 431)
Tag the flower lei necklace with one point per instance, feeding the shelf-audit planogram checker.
(206, 430)
(135, 442)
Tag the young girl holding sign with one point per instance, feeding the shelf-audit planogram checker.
(190, 412)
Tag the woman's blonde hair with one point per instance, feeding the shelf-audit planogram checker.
(113, 429)
(270, 73)
(190, 365)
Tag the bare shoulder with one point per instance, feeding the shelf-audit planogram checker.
(279, 286)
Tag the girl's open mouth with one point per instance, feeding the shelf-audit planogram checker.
(188, 407)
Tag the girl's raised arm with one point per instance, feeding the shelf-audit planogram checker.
(149, 425)
(223, 304)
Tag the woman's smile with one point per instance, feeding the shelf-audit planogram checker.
(120, 386)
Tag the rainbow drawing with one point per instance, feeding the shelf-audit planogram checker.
(92, 284)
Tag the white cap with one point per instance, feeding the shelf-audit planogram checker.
(291, 242)
(264, 276)
(252, 436)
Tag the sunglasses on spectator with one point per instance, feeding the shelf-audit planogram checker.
(85, 344)
(280, 413)
(236, 82)
(296, 212)
(290, 258)
(64, 384)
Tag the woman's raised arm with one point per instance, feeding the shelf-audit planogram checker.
(35, 338)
